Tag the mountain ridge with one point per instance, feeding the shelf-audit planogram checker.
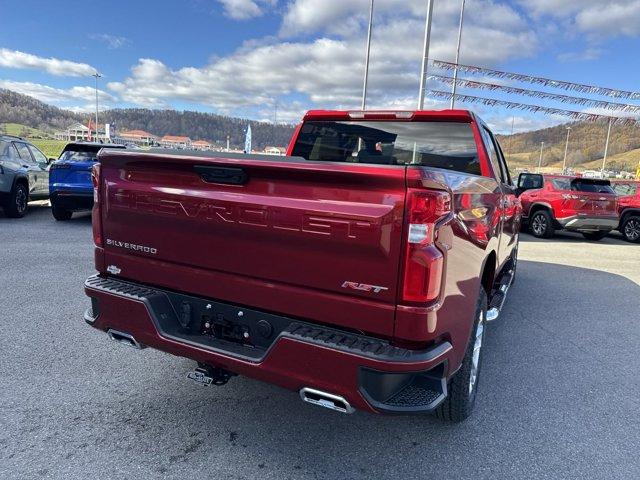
(25, 110)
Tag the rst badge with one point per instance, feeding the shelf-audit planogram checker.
(363, 287)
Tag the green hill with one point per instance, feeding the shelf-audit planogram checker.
(24, 115)
(18, 110)
(586, 147)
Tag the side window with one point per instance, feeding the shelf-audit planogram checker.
(23, 152)
(8, 152)
(503, 163)
(561, 184)
(6, 149)
(493, 154)
(38, 155)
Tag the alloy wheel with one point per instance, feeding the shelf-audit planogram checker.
(21, 200)
(539, 224)
(632, 230)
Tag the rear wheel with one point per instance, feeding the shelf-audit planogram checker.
(18, 201)
(595, 236)
(59, 213)
(630, 228)
(541, 224)
(464, 385)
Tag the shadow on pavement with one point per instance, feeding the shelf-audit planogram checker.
(558, 395)
(41, 211)
(559, 384)
(563, 236)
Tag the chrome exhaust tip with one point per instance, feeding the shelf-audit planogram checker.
(326, 400)
(124, 338)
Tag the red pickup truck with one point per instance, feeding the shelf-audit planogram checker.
(629, 209)
(359, 270)
(555, 202)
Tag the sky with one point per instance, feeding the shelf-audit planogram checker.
(245, 57)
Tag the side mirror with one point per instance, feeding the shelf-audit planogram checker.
(50, 160)
(529, 181)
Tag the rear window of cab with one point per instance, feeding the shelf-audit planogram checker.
(83, 153)
(447, 145)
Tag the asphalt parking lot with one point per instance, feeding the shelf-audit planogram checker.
(559, 395)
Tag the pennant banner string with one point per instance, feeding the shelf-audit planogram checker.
(577, 87)
(587, 102)
(492, 102)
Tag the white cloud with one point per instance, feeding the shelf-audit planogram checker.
(53, 95)
(341, 17)
(113, 42)
(611, 19)
(594, 17)
(245, 9)
(54, 66)
(501, 124)
(590, 53)
(327, 71)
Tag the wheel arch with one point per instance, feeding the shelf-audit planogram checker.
(488, 272)
(536, 207)
(628, 211)
(21, 179)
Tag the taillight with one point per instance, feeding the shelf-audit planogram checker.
(95, 213)
(423, 260)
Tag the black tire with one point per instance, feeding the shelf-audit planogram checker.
(594, 236)
(18, 202)
(541, 224)
(462, 395)
(60, 214)
(630, 228)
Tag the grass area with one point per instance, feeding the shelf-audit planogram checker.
(627, 161)
(41, 139)
(51, 148)
(23, 131)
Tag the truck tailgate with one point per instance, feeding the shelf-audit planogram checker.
(297, 229)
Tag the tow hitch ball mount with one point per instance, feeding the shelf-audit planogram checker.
(206, 375)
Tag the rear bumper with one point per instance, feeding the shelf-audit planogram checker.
(81, 199)
(369, 373)
(589, 223)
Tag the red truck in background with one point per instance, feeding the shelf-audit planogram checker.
(555, 202)
(629, 209)
(359, 270)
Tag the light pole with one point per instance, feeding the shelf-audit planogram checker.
(606, 146)
(566, 150)
(455, 71)
(96, 76)
(366, 62)
(541, 153)
(275, 124)
(513, 122)
(425, 55)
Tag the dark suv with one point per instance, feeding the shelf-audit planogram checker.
(24, 175)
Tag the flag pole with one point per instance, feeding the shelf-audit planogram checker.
(455, 71)
(425, 55)
(606, 147)
(366, 62)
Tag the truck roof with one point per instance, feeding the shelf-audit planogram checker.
(407, 115)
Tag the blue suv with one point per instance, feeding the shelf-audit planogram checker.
(70, 186)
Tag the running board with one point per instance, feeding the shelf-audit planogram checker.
(499, 296)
